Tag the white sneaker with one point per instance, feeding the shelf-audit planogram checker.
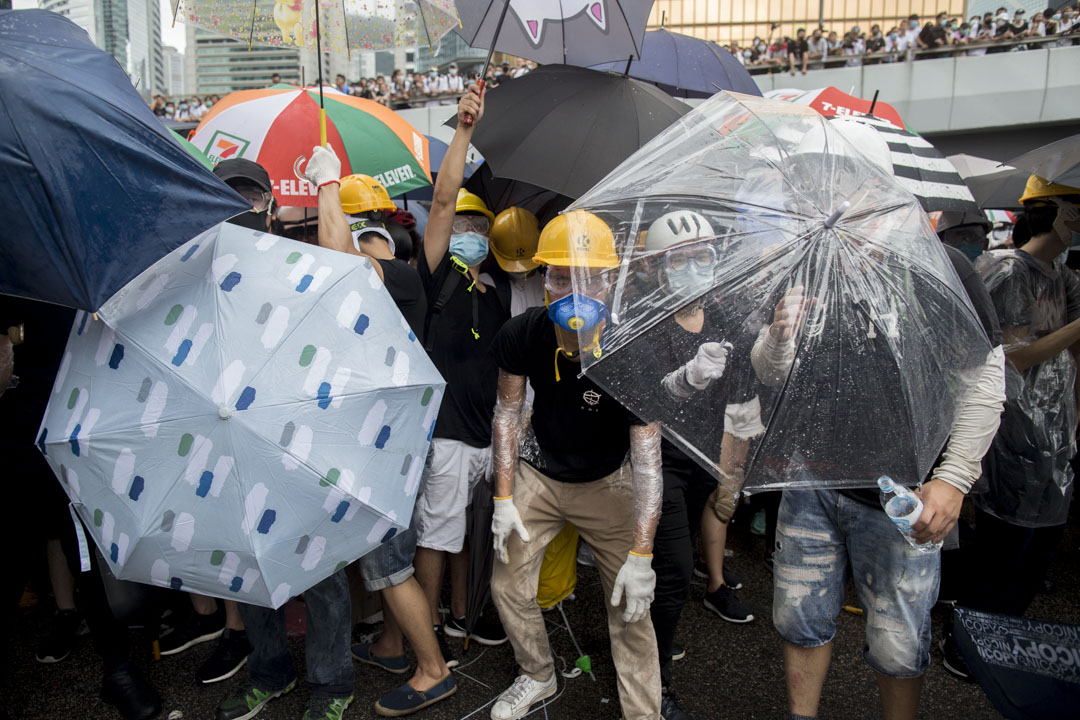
(518, 698)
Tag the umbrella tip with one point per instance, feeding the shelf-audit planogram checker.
(843, 208)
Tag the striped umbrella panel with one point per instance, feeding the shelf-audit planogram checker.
(918, 166)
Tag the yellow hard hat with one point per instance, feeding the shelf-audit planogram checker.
(577, 238)
(1038, 188)
(363, 193)
(514, 236)
(468, 202)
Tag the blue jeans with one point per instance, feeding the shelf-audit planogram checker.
(329, 629)
(391, 563)
(822, 539)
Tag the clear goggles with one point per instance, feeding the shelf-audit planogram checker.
(260, 200)
(559, 281)
(699, 255)
(471, 223)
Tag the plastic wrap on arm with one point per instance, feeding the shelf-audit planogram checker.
(772, 358)
(647, 481)
(975, 425)
(506, 430)
(7, 362)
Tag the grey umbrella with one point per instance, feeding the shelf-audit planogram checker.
(993, 185)
(1058, 162)
(574, 32)
(564, 128)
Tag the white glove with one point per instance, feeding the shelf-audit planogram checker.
(708, 364)
(637, 581)
(323, 167)
(505, 521)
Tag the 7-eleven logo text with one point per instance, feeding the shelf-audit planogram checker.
(224, 146)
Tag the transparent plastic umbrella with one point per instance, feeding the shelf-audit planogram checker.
(764, 206)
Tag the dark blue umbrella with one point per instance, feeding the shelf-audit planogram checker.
(94, 188)
(685, 66)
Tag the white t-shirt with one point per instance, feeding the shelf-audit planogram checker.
(454, 83)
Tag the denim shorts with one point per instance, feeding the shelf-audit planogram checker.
(391, 563)
(824, 538)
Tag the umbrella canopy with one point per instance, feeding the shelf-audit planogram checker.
(500, 193)
(1058, 162)
(95, 188)
(830, 102)
(915, 163)
(194, 151)
(343, 26)
(992, 184)
(571, 32)
(244, 419)
(276, 126)
(1029, 669)
(686, 66)
(563, 128)
(436, 152)
(771, 201)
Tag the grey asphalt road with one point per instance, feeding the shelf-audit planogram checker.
(730, 671)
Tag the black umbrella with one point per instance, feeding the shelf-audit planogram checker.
(1028, 668)
(501, 193)
(564, 128)
(481, 555)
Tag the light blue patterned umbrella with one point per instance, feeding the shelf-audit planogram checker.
(246, 417)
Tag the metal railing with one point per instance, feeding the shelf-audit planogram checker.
(911, 54)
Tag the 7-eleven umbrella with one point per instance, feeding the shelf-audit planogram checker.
(829, 102)
(276, 126)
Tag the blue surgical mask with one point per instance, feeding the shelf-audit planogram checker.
(577, 313)
(469, 247)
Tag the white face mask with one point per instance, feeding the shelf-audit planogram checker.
(691, 282)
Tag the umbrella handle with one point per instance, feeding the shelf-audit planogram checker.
(469, 119)
(322, 125)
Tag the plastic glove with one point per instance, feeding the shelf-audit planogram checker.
(637, 581)
(1068, 219)
(323, 167)
(708, 364)
(505, 521)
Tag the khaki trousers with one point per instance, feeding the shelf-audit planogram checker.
(603, 513)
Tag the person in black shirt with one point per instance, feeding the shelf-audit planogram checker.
(798, 51)
(466, 308)
(574, 470)
(352, 218)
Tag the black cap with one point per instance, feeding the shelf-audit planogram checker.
(241, 169)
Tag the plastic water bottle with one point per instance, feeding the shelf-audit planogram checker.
(904, 508)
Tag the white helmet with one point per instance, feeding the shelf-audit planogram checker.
(675, 228)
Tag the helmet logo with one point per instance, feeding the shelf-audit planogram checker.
(521, 252)
(583, 242)
(683, 225)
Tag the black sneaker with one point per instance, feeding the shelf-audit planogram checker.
(670, 709)
(200, 629)
(58, 644)
(678, 652)
(448, 656)
(953, 661)
(488, 631)
(229, 656)
(126, 690)
(726, 604)
(730, 579)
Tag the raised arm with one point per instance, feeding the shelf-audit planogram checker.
(451, 175)
(324, 171)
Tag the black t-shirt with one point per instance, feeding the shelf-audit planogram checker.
(875, 43)
(471, 374)
(582, 433)
(797, 47)
(931, 33)
(403, 283)
(984, 308)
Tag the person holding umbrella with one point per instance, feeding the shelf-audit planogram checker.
(466, 308)
(578, 475)
(352, 219)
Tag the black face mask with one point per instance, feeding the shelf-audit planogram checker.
(251, 220)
